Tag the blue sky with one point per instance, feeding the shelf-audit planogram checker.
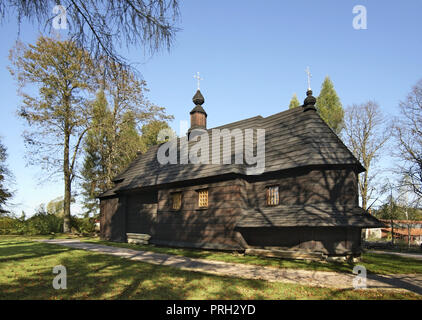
(252, 56)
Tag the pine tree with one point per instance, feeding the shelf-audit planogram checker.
(294, 102)
(129, 142)
(329, 106)
(114, 140)
(150, 133)
(93, 170)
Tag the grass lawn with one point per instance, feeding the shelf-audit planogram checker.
(26, 273)
(374, 263)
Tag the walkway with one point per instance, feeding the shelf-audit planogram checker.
(305, 277)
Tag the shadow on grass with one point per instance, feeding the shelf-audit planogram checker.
(374, 262)
(15, 251)
(97, 276)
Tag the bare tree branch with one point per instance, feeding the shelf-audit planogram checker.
(407, 131)
(103, 26)
(365, 134)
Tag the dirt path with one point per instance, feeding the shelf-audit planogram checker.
(411, 282)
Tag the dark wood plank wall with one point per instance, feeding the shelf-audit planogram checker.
(306, 186)
(328, 240)
(107, 207)
(141, 212)
(113, 219)
(193, 226)
(150, 212)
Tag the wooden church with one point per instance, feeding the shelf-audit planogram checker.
(305, 200)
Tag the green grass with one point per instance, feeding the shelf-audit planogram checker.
(374, 263)
(26, 273)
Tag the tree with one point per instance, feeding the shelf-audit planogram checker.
(98, 25)
(114, 140)
(403, 205)
(58, 115)
(410, 203)
(407, 131)
(365, 135)
(329, 106)
(390, 211)
(150, 134)
(5, 193)
(294, 102)
(56, 207)
(411, 215)
(106, 155)
(129, 108)
(93, 170)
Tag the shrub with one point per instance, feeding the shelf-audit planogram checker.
(44, 224)
(83, 225)
(6, 225)
(11, 225)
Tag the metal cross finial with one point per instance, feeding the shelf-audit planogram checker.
(198, 78)
(308, 72)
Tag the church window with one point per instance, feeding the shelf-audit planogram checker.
(176, 200)
(203, 198)
(273, 197)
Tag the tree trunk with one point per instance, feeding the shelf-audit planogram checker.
(364, 192)
(392, 232)
(67, 198)
(67, 178)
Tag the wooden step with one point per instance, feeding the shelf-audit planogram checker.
(138, 238)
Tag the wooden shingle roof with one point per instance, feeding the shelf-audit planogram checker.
(293, 138)
(316, 215)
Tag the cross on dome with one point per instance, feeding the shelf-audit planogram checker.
(308, 72)
(198, 79)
